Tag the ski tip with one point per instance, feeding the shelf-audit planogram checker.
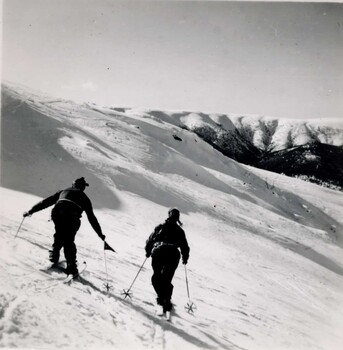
(68, 279)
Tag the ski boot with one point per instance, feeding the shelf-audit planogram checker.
(167, 306)
(72, 270)
(54, 257)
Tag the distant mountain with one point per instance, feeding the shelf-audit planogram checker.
(316, 162)
(309, 149)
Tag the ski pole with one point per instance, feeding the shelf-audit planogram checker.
(190, 306)
(19, 228)
(107, 247)
(187, 282)
(127, 293)
(108, 287)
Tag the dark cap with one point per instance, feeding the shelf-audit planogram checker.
(80, 182)
(174, 213)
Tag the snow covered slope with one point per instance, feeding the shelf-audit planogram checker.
(309, 149)
(265, 269)
(266, 133)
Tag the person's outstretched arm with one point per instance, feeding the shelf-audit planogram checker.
(94, 221)
(45, 203)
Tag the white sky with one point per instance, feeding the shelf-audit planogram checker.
(277, 59)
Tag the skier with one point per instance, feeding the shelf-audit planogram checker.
(66, 213)
(162, 245)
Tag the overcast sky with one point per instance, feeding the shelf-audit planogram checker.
(275, 59)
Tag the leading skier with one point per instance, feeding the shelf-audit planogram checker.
(66, 214)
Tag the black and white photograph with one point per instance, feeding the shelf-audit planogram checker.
(171, 175)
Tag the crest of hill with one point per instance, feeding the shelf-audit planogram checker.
(252, 140)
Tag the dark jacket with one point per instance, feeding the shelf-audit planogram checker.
(77, 200)
(169, 233)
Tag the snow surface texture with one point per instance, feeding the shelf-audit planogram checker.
(265, 268)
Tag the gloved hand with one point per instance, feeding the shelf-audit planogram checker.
(184, 261)
(102, 236)
(27, 213)
(147, 255)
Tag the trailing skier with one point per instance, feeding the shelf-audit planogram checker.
(66, 213)
(163, 246)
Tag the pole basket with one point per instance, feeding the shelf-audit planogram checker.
(190, 307)
(107, 286)
(126, 293)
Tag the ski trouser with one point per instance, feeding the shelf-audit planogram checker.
(66, 227)
(165, 260)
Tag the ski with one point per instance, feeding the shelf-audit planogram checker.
(71, 277)
(160, 313)
(55, 267)
(57, 277)
(166, 315)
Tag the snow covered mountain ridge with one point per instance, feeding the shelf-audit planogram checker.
(265, 133)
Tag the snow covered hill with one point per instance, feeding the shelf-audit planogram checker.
(310, 149)
(265, 269)
(269, 143)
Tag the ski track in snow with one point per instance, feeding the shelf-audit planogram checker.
(39, 285)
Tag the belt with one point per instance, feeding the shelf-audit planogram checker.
(68, 200)
(158, 244)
